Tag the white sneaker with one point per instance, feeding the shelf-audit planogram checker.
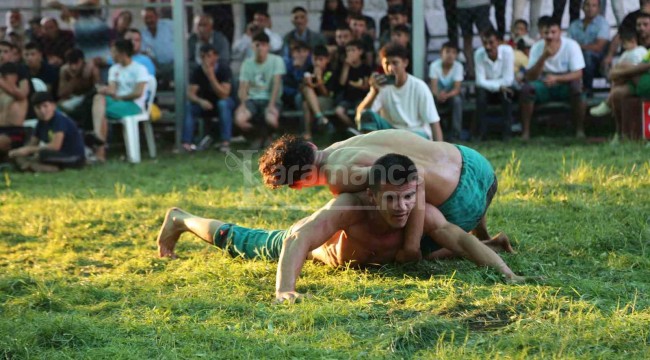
(601, 110)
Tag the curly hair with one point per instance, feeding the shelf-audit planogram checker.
(288, 159)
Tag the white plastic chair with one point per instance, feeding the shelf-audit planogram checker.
(131, 129)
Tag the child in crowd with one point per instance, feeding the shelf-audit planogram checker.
(520, 32)
(446, 76)
(296, 66)
(318, 90)
(353, 79)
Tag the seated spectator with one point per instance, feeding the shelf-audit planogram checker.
(39, 68)
(204, 34)
(55, 42)
(260, 91)
(301, 32)
(495, 75)
(135, 37)
(384, 22)
(15, 25)
(592, 33)
(359, 33)
(446, 77)
(296, 67)
(521, 52)
(121, 23)
(398, 100)
(243, 47)
(472, 12)
(12, 134)
(628, 23)
(56, 144)
(554, 74)
(35, 30)
(396, 16)
(157, 42)
(15, 88)
(77, 79)
(333, 16)
(210, 94)
(401, 35)
(343, 37)
(354, 83)
(520, 32)
(124, 95)
(262, 19)
(318, 90)
(355, 10)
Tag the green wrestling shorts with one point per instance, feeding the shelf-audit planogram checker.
(476, 188)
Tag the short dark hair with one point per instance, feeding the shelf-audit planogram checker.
(393, 49)
(521, 21)
(343, 28)
(489, 32)
(151, 9)
(72, 56)
(288, 159)
(397, 10)
(402, 28)
(299, 45)
(357, 44)
(33, 46)
(298, 9)
(554, 21)
(6, 43)
(321, 51)
(41, 97)
(124, 46)
(449, 45)
(394, 169)
(263, 13)
(207, 48)
(8, 68)
(35, 20)
(627, 34)
(261, 37)
(357, 17)
(643, 15)
(134, 30)
(543, 21)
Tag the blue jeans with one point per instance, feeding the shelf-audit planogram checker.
(224, 107)
(592, 64)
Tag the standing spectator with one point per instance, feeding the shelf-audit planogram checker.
(446, 76)
(534, 11)
(77, 79)
(121, 23)
(296, 67)
(396, 16)
(359, 33)
(63, 146)
(210, 93)
(260, 90)
(204, 34)
(592, 33)
(55, 42)
(355, 8)
(124, 95)
(333, 16)
(353, 82)
(628, 23)
(157, 41)
(398, 100)
(301, 32)
(472, 12)
(262, 19)
(318, 90)
(554, 73)
(451, 16)
(500, 16)
(39, 68)
(494, 79)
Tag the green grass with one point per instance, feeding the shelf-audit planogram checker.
(79, 275)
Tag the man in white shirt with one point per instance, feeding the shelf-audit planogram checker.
(554, 73)
(124, 95)
(405, 104)
(494, 70)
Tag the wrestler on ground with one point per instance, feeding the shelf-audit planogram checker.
(356, 229)
(455, 179)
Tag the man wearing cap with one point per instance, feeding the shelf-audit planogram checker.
(56, 143)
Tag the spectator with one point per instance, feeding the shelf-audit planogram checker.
(451, 17)
(396, 16)
(520, 32)
(355, 9)
(15, 25)
(124, 95)
(406, 104)
(77, 79)
(39, 68)
(521, 60)
(301, 32)
(643, 29)
(92, 34)
(262, 19)
(204, 34)
(554, 73)
(446, 76)
(472, 12)
(135, 37)
(359, 33)
(384, 23)
(628, 23)
(35, 31)
(55, 42)
(333, 16)
(296, 67)
(401, 35)
(343, 37)
(61, 143)
(260, 90)
(618, 7)
(15, 88)
(500, 16)
(318, 90)
(12, 133)
(243, 47)
(157, 40)
(592, 33)
(121, 23)
(353, 82)
(210, 93)
(494, 79)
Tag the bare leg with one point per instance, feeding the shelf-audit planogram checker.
(579, 107)
(100, 124)
(526, 111)
(341, 112)
(498, 243)
(481, 231)
(242, 118)
(177, 222)
(617, 95)
(5, 145)
(468, 49)
(43, 168)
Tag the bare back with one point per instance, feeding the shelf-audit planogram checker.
(347, 162)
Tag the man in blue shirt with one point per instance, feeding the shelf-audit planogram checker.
(158, 41)
(592, 33)
(56, 143)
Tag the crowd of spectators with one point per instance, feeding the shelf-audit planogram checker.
(350, 77)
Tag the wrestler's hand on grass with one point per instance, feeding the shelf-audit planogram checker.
(289, 296)
(406, 256)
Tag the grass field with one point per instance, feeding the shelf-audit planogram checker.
(80, 277)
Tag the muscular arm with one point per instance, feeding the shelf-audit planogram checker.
(414, 228)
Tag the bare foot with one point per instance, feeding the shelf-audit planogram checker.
(169, 233)
(500, 243)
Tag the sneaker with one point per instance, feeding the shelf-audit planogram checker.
(238, 139)
(205, 143)
(601, 110)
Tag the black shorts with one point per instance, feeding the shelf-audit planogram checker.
(17, 134)
(479, 15)
(62, 160)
